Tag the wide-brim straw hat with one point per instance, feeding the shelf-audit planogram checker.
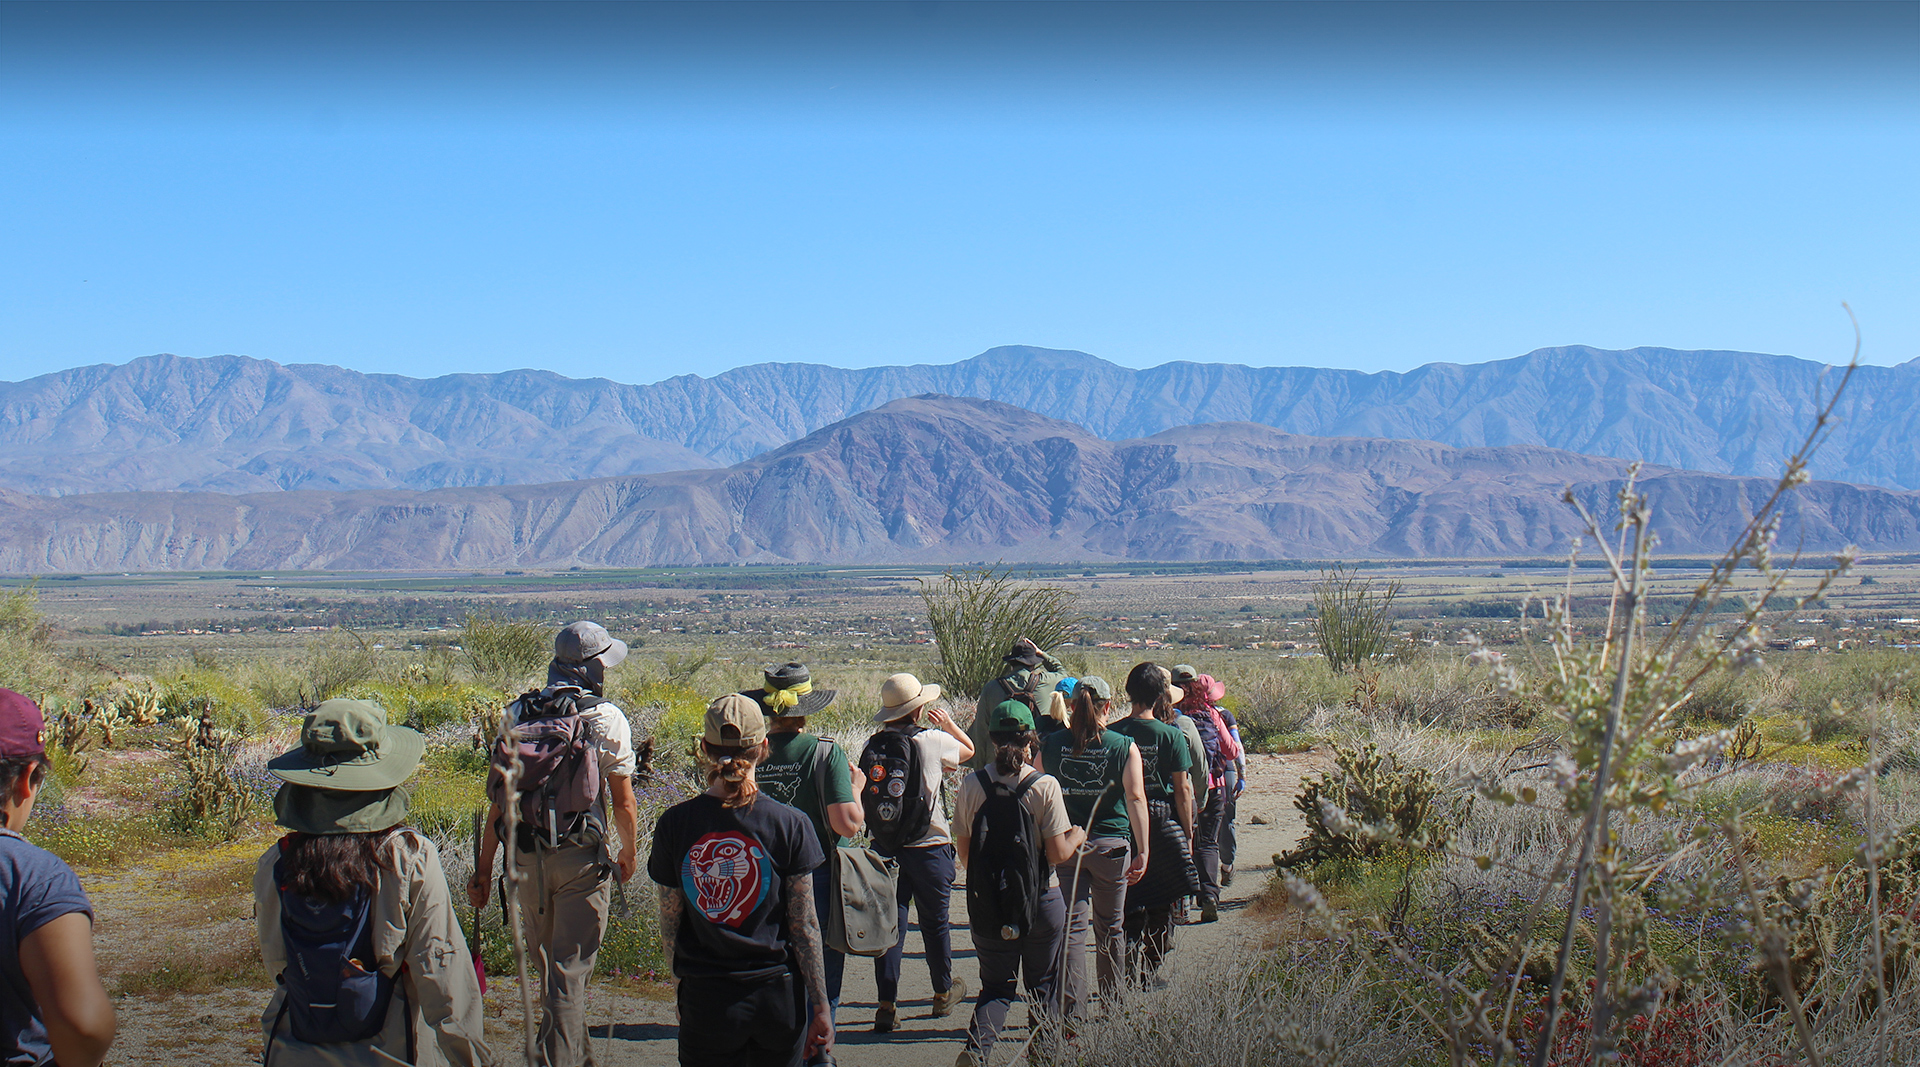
(793, 679)
(903, 694)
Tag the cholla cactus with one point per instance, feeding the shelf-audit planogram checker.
(212, 798)
(139, 705)
(1367, 803)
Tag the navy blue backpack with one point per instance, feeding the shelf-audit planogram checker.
(332, 995)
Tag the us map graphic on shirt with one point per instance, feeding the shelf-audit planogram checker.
(726, 875)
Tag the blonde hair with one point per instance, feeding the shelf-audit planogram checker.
(735, 767)
(1057, 706)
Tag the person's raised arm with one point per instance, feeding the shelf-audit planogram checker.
(940, 718)
(1133, 784)
(57, 959)
(804, 938)
(626, 819)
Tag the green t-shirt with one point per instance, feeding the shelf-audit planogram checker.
(783, 776)
(1163, 752)
(1085, 777)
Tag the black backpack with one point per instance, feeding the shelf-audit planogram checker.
(332, 996)
(1007, 870)
(893, 791)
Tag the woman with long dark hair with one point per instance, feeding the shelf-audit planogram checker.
(1103, 787)
(1006, 949)
(1170, 873)
(735, 871)
(354, 915)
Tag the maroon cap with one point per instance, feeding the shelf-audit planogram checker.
(20, 726)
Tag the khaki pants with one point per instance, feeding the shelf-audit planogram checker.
(564, 899)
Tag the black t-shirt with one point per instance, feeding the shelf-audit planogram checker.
(732, 864)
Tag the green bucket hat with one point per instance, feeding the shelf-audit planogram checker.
(343, 777)
(347, 746)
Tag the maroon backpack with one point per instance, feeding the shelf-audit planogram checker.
(559, 766)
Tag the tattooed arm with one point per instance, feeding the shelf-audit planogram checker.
(672, 901)
(803, 934)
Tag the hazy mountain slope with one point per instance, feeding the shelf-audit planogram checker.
(241, 425)
(942, 479)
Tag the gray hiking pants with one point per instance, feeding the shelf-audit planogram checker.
(1096, 908)
(564, 899)
(1037, 954)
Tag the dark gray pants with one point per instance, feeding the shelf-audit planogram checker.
(1229, 844)
(1098, 902)
(1035, 955)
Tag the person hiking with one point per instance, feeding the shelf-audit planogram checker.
(907, 822)
(576, 751)
(355, 919)
(1010, 828)
(815, 775)
(1029, 675)
(1104, 789)
(1166, 759)
(53, 1008)
(735, 870)
(1058, 711)
(1196, 713)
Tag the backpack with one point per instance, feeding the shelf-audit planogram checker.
(331, 996)
(893, 792)
(1210, 734)
(1025, 694)
(1006, 864)
(559, 766)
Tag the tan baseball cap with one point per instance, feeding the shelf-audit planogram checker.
(739, 716)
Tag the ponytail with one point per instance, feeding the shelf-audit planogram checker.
(734, 766)
(1086, 725)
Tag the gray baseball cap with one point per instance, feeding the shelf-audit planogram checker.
(582, 641)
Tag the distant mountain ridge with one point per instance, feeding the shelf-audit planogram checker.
(240, 425)
(941, 479)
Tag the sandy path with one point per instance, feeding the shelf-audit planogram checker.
(221, 1028)
(645, 1034)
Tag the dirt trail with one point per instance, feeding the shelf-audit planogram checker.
(205, 917)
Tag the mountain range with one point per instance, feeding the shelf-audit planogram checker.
(948, 479)
(233, 424)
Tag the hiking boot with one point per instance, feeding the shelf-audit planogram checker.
(943, 1002)
(969, 1059)
(885, 1019)
(1209, 912)
(1226, 875)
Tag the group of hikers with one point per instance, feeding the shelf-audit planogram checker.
(1082, 826)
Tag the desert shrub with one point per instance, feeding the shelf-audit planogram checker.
(26, 647)
(211, 799)
(1352, 618)
(506, 652)
(1284, 699)
(976, 615)
(1369, 800)
(193, 691)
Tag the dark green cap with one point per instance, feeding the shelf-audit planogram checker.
(1010, 717)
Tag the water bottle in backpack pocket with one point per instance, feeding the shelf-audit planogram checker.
(559, 768)
(1007, 870)
(893, 791)
(335, 991)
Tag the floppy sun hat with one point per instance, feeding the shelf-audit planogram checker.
(582, 641)
(343, 777)
(902, 694)
(789, 692)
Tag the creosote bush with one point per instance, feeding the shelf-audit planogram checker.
(506, 652)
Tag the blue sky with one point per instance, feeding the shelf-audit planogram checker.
(642, 191)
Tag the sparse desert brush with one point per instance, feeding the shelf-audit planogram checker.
(1629, 879)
